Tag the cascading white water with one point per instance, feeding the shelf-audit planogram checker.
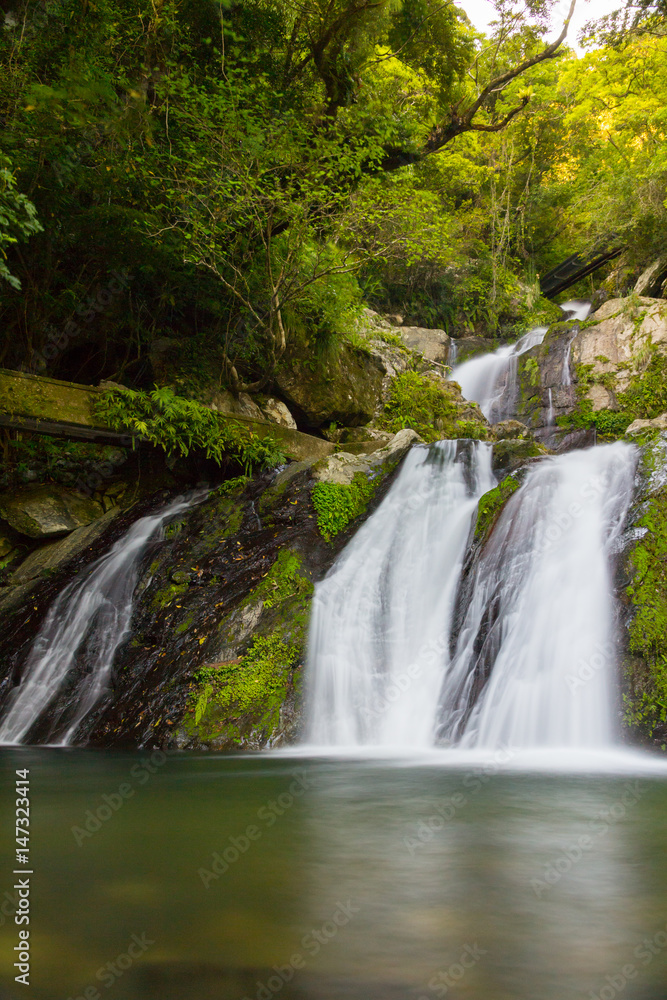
(576, 309)
(533, 656)
(381, 618)
(95, 609)
(491, 378)
(537, 636)
(579, 310)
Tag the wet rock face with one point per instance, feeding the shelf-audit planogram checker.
(641, 591)
(590, 370)
(217, 643)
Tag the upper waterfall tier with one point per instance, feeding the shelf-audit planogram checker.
(491, 379)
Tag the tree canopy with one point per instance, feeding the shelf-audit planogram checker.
(256, 170)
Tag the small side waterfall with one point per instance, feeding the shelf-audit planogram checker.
(92, 613)
(405, 651)
(491, 378)
(381, 618)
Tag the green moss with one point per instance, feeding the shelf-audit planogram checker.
(231, 487)
(646, 395)
(646, 704)
(491, 504)
(167, 594)
(644, 398)
(235, 698)
(533, 371)
(285, 579)
(337, 504)
(429, 408)
(185, 625)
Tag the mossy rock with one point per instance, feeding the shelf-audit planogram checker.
(345, 390)
(492, 503)
(243, 700)
(433, 407)
(645, 680)
(45, 511)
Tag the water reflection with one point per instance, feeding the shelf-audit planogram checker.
(366, 879)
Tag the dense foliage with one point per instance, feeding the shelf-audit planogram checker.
(179, 425)
(220, 176)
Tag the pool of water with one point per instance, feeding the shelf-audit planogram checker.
(170, 877)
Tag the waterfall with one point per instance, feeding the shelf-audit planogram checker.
(381, 618)
(576, 309)
(579, 310)
(491, 379)
(91, 614)
(537, 635)
(409, 648)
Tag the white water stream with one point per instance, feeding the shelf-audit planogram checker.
(532, 664)
(94, 609)
(381, 618)
(491, 379)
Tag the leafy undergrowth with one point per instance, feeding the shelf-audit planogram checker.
(337, 504)
(429, 408)
(646, 705)
(179, 426)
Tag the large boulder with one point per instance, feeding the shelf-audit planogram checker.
(433, 345)
(276, 411)
(46, 511)
(51, 556)
(586, 366)
(343, 390)
(242, 405)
